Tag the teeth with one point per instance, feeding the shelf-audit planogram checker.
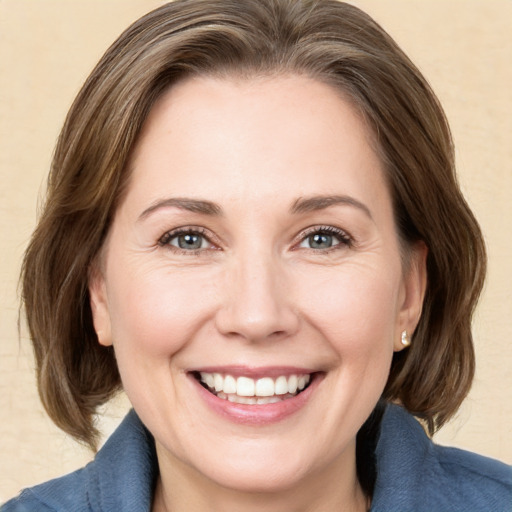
(230, 385)
(292, 384)
(244, 386)
(218, 381)
(265, 387)
(209, 379)
(265, 400)
(245, 390)
(250, 400)
(281, 387)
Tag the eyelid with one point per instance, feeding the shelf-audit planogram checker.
(346, 240)
(163, 241)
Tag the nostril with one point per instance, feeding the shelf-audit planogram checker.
(257, 316)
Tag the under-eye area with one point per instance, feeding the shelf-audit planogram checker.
(249, 391)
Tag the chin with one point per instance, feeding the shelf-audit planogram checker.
(271, 479)
(256, 467)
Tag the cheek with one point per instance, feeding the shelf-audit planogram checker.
(356, 313)
(354, 303)
(156, 313)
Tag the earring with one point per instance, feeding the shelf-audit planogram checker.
(406, 340)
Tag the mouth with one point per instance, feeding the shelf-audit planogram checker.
(243, 389)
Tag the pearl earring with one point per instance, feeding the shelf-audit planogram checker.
(406, 340)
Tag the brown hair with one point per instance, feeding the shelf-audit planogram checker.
(325, 39)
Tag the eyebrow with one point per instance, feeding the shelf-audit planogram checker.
(301, 205)
(314, 203)
(184, 203)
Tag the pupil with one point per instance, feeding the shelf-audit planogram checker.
(320, 241)
(189, 241)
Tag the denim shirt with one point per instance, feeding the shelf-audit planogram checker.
(413, 475)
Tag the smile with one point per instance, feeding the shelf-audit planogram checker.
(256, 396)
(249, 391)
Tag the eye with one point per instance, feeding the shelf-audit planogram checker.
(324, 238)
(191, 241)
(187, 240)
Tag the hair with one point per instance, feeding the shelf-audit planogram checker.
(327, 40)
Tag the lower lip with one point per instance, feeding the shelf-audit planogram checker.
(261, 414)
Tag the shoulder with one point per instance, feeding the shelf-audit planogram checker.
(121, 477)
(61, 494)
(413, 473)
(483, 481)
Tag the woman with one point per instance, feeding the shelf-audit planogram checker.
(253, 226)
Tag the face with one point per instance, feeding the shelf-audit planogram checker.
(252, 282)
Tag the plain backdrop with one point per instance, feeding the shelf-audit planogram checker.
(48, 47)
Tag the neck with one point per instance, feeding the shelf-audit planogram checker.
(335, 489)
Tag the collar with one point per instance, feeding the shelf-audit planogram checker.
(124, 472)
(403, 448)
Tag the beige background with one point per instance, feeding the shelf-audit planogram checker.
(47, 48)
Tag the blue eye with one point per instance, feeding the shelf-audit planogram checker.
(324, 239)
(185, 240)
(321, 241)
(190, 241)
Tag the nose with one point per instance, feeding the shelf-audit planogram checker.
(256, 303)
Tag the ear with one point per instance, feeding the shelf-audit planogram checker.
(99, 305)
(413, 293)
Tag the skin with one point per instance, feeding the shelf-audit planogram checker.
(256, 293)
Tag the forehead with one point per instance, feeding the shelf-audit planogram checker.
(255, 138)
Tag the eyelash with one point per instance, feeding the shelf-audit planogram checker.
(165, 240)
(345, 240)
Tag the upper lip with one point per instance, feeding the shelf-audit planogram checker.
(254, 372)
